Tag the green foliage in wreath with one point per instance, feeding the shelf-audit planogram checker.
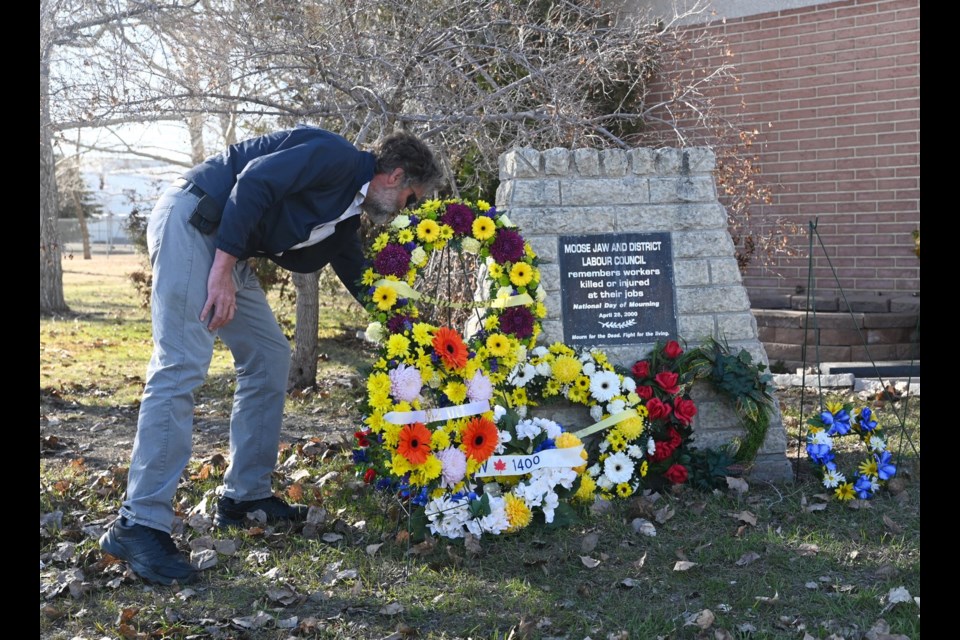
(742, 381)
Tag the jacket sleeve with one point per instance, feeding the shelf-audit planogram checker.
(268, 178)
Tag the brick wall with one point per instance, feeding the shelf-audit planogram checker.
(834, 92)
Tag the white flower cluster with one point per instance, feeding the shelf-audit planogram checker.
(450, 517)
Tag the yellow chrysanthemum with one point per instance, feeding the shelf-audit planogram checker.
(844, 491)
(378, 383)
(617, 443)
(397, 345)
(456, 391)
(391, 435)
(483, 206)
(380, 401)
(375, 421)
(834, 407)
(869, 467)
(498, 345)
(528, 251)
(428, 230)
(381, 241)
(644, 467)
(385, 297)
(517, 512)
(521, 274)
(583, 382)
(422, 333)
(424, 473)
(368, 277)
(565, 369)
(540, 310)
(404, 236)
(430, 206)
(399, 465)
(496, 271)
(578, 395)
(624, 490)
(491, 322)
(586, 489)
(483, 228)
(552, 388)
(446, 232)
(560, 349)
(439, 440)
(630, 429)
(642, 411)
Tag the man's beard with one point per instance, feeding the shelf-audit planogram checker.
(381, 207)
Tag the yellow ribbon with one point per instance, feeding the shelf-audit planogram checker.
(606, 422)
(406, 291)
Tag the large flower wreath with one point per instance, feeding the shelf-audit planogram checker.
(586, 377)
(834, 422)
(432, 430)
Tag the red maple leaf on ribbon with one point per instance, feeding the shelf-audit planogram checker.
(500, 465)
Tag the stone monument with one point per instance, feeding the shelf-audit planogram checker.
(634, 248)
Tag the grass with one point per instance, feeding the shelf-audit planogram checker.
(816, 572)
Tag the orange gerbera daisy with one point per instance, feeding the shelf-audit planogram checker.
(480, 438)
(449, 345)
(414, 444)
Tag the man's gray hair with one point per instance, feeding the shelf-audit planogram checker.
(405, 151)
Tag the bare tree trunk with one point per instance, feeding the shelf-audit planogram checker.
(195, 127)
(303, 366)
(82, 220)
(51, 270)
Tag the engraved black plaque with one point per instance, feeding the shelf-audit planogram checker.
(617, 288)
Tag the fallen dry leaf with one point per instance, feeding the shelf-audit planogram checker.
(589, 563)
(891, 525)
(746, 516)
(629, 583)
(664, 513)
(639, 562)
(372, 549)
(253, 622)
(391, 609)
(808, 549)
(589, 542)
(747, 558)
(644, 527)
(769, 599)
(896, 596)
(703, 619)
(295, 493)
(683, 565)
(471, 544)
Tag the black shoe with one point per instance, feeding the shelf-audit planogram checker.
(233, 513)
(151, 553)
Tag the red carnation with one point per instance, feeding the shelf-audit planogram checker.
(369, 475)
(672, 349)
(684, 410)
(675, 438)
(657, 409)
(668, 382)
(677, 474)
(645, 392)
(361, 437)
(641, 369)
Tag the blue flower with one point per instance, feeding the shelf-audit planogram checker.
(836, 423)
(421, 498)
(864, 420)
(360, 456)
(885, 468)
(863, 486)
(546, 444)
(820, 453)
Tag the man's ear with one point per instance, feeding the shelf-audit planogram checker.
(395, 177)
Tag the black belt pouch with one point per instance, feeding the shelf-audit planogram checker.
(206, 217)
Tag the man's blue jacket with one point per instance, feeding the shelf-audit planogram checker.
(274, 189)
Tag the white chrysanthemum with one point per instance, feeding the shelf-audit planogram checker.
(651, 447)
(528, 429)
(498, 412)
(447, 517)
(596, 412)
(550, 503)
(496, 522)
(506, 222)
(522, 411)
(604, 483)
(634, 451)
(543, 369)
(877, 444)
(471, 245)
(594, 470)
(604, 385)
(616, 406)
(539, 352)
(374, 332)
(418, 256)
(479, 387)
(400, 222)
(604, 446)
(833, 478)
(618, 467)
(628, 384)
(541, 293)
(589, 368)
(522, 374)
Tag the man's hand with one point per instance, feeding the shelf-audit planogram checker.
(221, 292)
